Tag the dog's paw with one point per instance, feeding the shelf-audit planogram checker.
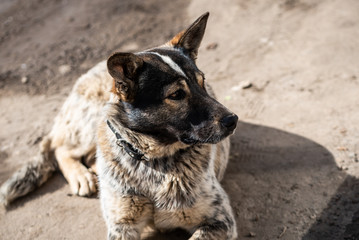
(82, 181)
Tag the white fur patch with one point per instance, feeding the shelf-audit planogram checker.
(213, 155)
(170, 63)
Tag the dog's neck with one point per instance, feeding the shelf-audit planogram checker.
(140, 146)
(129, 149)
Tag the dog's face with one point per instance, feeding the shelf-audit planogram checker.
(163, 94)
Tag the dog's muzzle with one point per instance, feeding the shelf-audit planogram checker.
(211, 133)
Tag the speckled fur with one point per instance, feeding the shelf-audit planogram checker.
(179, 184)
(177, 188)
(180, 190)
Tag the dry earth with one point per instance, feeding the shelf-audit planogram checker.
(288, 68)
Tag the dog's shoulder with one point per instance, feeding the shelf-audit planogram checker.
(95, 84)
(79, 114)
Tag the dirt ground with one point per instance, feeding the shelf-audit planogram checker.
(288, 68)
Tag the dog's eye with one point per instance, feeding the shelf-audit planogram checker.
(178, 95)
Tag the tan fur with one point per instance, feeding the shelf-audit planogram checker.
(174, 41)
(72, 134)
(200, 79)
(178, 184)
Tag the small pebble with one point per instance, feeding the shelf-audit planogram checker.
(23, 66)
(242, 85)
(212, 46)
(252, 234)
(342, 148)
(63, 69)
(246, 85)
(24, 80)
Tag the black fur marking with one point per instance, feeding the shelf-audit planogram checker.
(149, 114)
(218, 200)
(111, 236)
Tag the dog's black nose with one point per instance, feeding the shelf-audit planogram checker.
(229, 122)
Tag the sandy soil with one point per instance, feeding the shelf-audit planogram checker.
(288, 68)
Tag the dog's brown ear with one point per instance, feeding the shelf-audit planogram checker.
(124, 68)
(190, 39)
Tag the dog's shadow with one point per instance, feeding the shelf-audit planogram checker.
(282, 185)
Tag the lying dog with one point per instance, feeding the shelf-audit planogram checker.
(161, 145)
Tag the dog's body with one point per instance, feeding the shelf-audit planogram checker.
(160, 147)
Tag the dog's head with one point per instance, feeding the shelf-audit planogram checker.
(163, 94)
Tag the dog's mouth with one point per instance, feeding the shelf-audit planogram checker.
(189, 141)
(210, 140)
(210, 132)
(211, 136)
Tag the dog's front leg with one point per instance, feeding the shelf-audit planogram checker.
(81, 180)
(217, 230)
(220, 224)
(126, 216)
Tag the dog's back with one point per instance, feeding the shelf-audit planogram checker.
(71, 137)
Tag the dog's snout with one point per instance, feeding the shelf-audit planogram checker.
(229, 122)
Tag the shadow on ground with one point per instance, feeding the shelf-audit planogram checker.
(340, 218)
(283, 185)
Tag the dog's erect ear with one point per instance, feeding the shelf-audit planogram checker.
(190, 39)
(124, 68)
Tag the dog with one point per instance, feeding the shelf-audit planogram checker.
(149, 125)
